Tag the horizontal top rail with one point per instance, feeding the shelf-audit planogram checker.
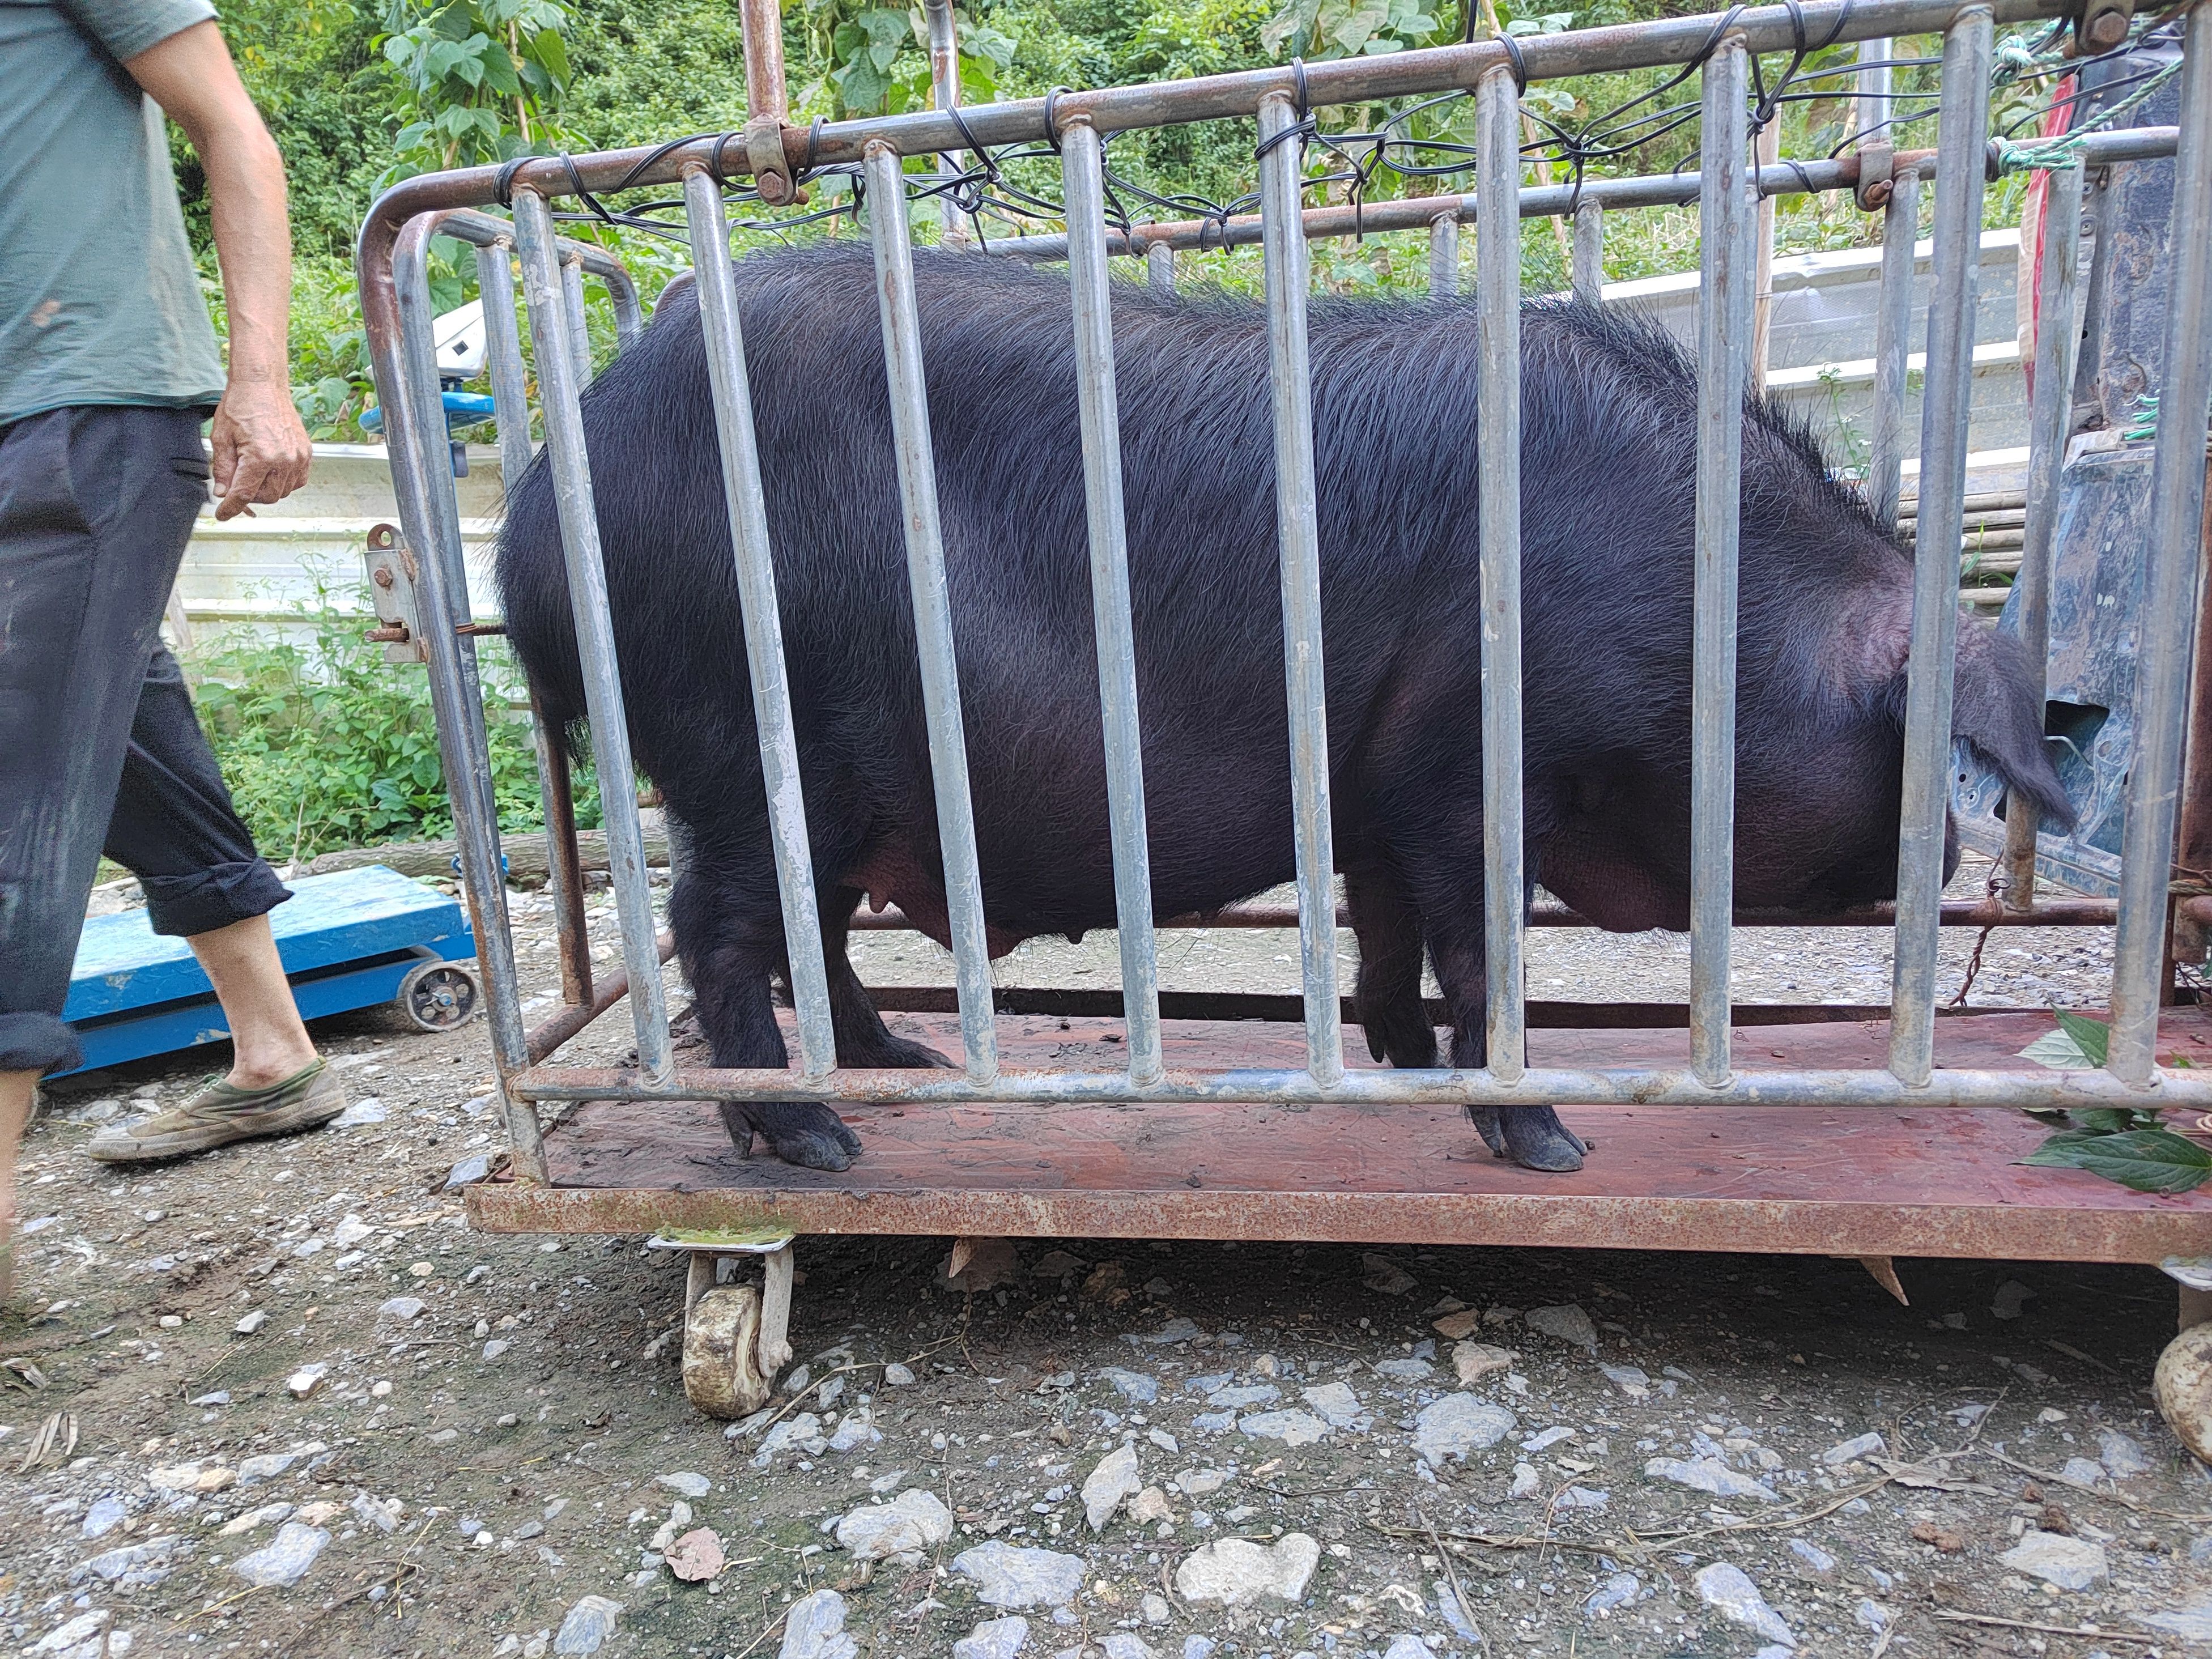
(1202, 97)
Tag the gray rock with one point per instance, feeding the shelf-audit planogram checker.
(910, 1523)
(1166, 1442)
(264, 1466)
(382, 1516)
(1133, 1386)
(995, 1638)
(105, 1516)
(896, 1375)
(1709, 1474)
(1199, 1647)
(1455, 1611)
(284, 1559)
(219, 1397)
(496, 1346)
(1154, 1610)
(1128, 1644)
(1176, 1330)
(1569, 1323)
(1870, 1614)
(1405, 1370)
(815, 1629)
(87, 1636)
(2070, 1563)
(2084, 1472)
(1235, 1572)
(2189, 1624)
(2011, 1295)
(1582, 1497)
(401, 1307)
(1213, 1422)
(855, 1431)
(1616, 1591)
(1722, 1587)
(1113, 1479)
(1630, 1380)
(1236, 1399)
(586, 1626)
(1815, 1558)
(1408, 1647)
(1865, 1445)
(799, 1433)
(1459, 1423)
(1008, 1576)
(1292, 1427)
(251, 1322)
(1526, 1483)
(114, 1565)
(1338, 1405)
(2122, 1456)
(469, 1171)
(685, 1483)
(361, 1112)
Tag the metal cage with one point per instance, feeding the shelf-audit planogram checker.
(391, 271)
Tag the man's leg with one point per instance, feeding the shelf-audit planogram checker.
(176, 828)
(96, 508)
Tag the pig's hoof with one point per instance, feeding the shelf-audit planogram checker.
(1532, 1136)
(801, 1132)
(899, 1053)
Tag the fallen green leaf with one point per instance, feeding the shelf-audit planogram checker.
(2143, 1160)
(2092, 1037)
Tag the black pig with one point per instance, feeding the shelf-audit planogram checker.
(1607, 493)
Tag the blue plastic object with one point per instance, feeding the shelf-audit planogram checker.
(462, 409)
(346, 940)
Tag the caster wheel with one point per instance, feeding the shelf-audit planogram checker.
(721, 1341)
(437, 996)
(2182, 1388)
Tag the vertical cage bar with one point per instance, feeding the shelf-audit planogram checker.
(2057, 329)
(1159, 268)
(2170, 586)
(1282, 249)
(932, 608)
(1945, 403)
(1082, 170)
(1497, 477)
(1872, 84)
(944, 93)
(510, 399)
(545, 291)
(1892, 343)
(579, 331)
(422, 483)
(1443, 255)
(755, 566)
(1725, 300)
(1589, 253)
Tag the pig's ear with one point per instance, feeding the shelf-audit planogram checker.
(1995, 712)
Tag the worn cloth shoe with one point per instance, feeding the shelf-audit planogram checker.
(218, 1114)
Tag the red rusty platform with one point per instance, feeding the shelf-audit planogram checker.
(1827, 1181)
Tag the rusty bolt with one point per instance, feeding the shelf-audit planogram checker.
(382, 578)
(1876, 194)
(2107, 29)
(390, 634)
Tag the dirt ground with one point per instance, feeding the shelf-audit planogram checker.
(298, 1351)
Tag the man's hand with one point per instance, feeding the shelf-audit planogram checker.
(261, 450)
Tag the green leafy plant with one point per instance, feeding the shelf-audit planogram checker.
(2129, 1145)
(878, 58)
(326, 746)
(478, 80)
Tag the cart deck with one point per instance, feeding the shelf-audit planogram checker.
(1866, 1181)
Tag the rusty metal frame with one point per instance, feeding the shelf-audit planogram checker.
(395, 304)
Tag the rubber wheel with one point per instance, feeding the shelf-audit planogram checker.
(2182, 1388)
(437, 996)
(721, 1343)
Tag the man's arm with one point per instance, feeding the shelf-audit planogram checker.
(261, 450)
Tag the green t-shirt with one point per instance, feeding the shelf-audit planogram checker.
(99, 300)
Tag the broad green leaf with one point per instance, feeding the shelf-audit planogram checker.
(2092, 1037)
(2143, 1160)
(2059, 1052)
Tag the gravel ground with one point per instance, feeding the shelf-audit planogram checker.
(313, 1413)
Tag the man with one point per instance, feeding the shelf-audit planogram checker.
(108, 365)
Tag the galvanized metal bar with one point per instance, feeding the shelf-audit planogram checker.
(2170, 585)
(1871, 81)
(1945, 403)
(1444, 256)
(1159, 268)
(944, 93)
(2058, 332)
(932, 610)
(777, 732)
(1282, 167)
(1391, 1086)
(1589, 252)
(1893, 341)
(580, 332)
(1081, 171)
(422, 483)
(545, 291)
(1725, 295)
(1497, 482)
(510, 399)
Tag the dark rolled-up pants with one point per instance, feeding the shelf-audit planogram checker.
(100, 749)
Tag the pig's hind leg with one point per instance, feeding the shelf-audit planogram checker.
(1388, 998)
(862, 1038)
(729, 932)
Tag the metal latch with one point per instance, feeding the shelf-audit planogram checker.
(391, 577)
